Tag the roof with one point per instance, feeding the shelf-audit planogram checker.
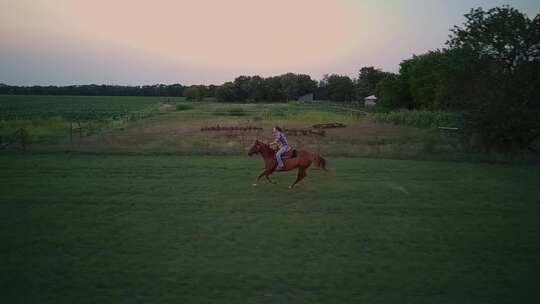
(372, 97)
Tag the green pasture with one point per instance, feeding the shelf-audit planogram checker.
(168, 229)
(292, 111)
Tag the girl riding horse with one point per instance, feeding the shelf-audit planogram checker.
(283, 145)
(302, 162)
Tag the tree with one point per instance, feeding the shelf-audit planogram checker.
(196, 93)
(504, 106)
(338, 87)
(226, 92)
(305, 85)
(368, 78)
(257, 88)
(393, 93)
(502, 34)
(274, 90)
(441, 79)
(285, 87)
(296, 85)
(242, 88)
(212, 90)
(505, 110)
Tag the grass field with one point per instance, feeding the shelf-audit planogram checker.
(167, 229)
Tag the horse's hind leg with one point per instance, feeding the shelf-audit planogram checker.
(299, 177)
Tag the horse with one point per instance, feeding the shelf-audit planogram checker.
(300, 159)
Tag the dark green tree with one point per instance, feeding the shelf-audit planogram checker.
(196, 93)
(242, 88)
(504, 105)
(503, 34)
(393, 93)
(338, 88)
(274, 90)
(226, 92)
(368, 78)
(257, 89)
(441, 79)
(296, 85)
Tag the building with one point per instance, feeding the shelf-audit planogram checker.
(370, 101)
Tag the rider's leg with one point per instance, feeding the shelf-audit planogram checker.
(281, 150)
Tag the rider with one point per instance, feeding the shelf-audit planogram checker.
(281, 140)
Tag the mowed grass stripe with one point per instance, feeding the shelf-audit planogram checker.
(80, 228)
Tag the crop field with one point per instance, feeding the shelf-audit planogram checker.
(96, 107)
(192, 229)
(27, 107)
(50, 118)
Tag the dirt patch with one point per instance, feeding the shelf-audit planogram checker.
(165, 107)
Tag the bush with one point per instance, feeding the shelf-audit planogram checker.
(236, 112)
(196, 93)
(420, 119)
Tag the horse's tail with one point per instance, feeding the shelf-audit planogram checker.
(319, 161)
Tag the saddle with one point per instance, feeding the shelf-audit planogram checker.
(292, 153)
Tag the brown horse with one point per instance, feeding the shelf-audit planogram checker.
(302, 160)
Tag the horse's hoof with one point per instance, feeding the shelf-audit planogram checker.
(290, 187)
(254, 185)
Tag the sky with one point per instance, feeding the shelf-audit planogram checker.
(133, 42)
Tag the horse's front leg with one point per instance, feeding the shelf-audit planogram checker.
(269, 179)
(263, 173)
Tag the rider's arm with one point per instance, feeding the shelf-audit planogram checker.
(276, 139)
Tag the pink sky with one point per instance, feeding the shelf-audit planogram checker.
(203, 41)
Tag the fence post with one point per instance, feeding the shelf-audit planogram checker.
(24, 138)
(71, 132)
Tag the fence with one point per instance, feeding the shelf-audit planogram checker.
(20, 136)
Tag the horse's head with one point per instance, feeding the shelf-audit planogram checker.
(255, 148)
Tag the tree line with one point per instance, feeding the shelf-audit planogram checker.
(96, 90)
(281, 88)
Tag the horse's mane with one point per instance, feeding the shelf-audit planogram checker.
(266, 147)
(263, 143)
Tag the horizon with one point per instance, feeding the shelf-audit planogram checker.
(63, 43)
